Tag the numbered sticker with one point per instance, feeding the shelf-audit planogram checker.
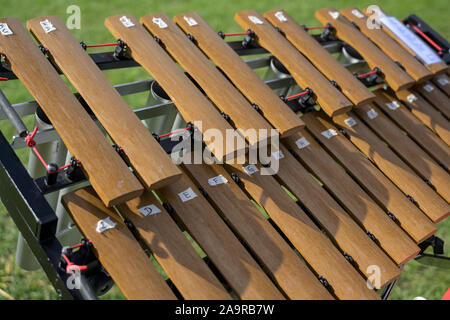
(334, 14)
(250, 169)
(5, 30)
(428, 88)
(159, 22)
(191, 21)
(187, 195)
(302, 143)
(126, 22)
(104, 225)
(372, 114)
(357, 14)
(411, 98)
(47, 26)
(220, 179)
(280, 16)
(149, 210)
(393, 105)
(443, 81)
(255, 20)
(350, 122)
(329, 133)
(277, 155)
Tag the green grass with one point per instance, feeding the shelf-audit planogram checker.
(417, 280)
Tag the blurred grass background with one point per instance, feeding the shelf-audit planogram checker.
(417, 280)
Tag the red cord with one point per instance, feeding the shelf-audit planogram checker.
(297, 95)
(236, 34)
(173, 132)
(102, 45)
(434, 44)
(71, 266)
(317, 27)
(3, 79)
(367, 74)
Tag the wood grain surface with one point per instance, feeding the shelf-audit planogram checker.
(442, 81)
(104, 168)
(435, 96)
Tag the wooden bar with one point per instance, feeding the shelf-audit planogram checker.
(442, 81)
(394, 168)
(328, 97)
(279, 115)
(425, 112)
(351, 87)
(317, 250)
(240, 270)
(191, 103)
(106, 171)
(424, 137)
(389, 46)
(145, 154)
(373, 181)
(436, 97)
(363, 210)
(287, 269)
(248, 122)
(392, 73)
(436, 68)
(184, 266)
(116, 248)
(410, 152)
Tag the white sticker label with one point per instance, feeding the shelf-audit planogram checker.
(187, 195)
(191, 21)
(149, 210)
(104, 225)
(250, 169)
(329, 133)
(357, 14)
(220, 179)
(126, 22)
(413, 42)
(160, 22)
(334, 14)
(393, 105)
(411, 98)
(280, 16)
(277, 155)
(350, 122)
(47, 26)
(372, 114)
(255, 20)
(5, 30)
(428, 87)
(302, 143)
(443, 81)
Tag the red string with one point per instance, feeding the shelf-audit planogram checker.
(317, 27)
(72, 266)
(367, 74)
(236, 34)
(3, 79)
(102, 45)
(173, 132)
(297, 95)
(434, 44)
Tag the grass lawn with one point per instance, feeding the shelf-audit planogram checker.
(417, 280)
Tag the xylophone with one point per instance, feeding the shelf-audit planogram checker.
(356, 121)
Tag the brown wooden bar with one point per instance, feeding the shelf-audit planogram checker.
(436, 97)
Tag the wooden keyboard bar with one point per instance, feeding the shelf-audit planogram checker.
(429, 116)
(366, 213)
(291, 274)
(351, 87)
(221, 92)
(442, 81)
(429, 142)
(436, 97)
(191, 103)
(373, 181)
(328, 97)
(116, 248)
(435, 68)
(311, 243)
(172, 250)
(242, 76)
(240, 270)
(394, 168)
(112, 179)
(409, 151)
(145, 154)
(389, 46)
(392, 73)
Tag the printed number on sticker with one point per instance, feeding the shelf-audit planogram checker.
(372, 114)
(350, 122)
(191, 21)
(428, 87)
(187, 195)
(302, 143)
(5, 30)
(126, 22)
(214, 181)
(160, 22)
(255, 20)
(393, 105)
(357, 14)
(329, 133)
(411, 98)
(47, 26)
(443, 81)
(104, 225)
(149, 210)
(280, 16)
(277, 155)
(250, 169)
